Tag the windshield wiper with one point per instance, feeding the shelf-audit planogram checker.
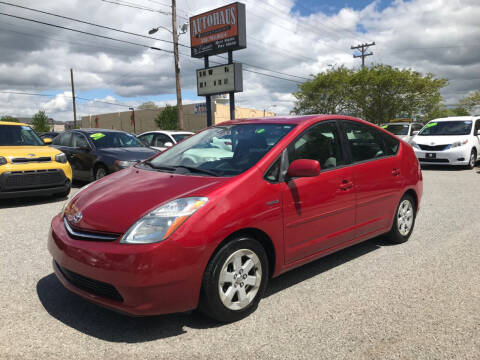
(158, 167)
(194, 169)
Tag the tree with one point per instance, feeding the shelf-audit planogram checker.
(40, 122)
(8, 118)
(377, 94)
(149, 105)
(471, 101)
(168, 118)
(326, 94)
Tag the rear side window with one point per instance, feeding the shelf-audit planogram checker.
(146, 139)
(367, 143)
(62, 139)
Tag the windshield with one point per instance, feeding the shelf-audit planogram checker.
(180, 137)
(397, 129)
(446, 128)
(17, 135)
(114, 140)
(221, 150)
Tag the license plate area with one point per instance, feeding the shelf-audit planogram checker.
(431, 155)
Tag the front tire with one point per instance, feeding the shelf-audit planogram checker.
(404, 221)
(100, 172)
(234, 280)
(472, 160)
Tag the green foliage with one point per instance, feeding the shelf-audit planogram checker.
(168, 118)
(377, 94)
(471, 101)
(441, 111)
(149, 105)
(8, 118)
(40, 122)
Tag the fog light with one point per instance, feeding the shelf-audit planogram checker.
(461, 159)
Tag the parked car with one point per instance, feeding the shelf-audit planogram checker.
(404, 130)
(94, 153)
(449, 141)
(49, 135)
(164, 236)
(28, 167)
(163, 139)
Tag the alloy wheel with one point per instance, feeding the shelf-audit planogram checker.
(405, 217)
(240, 279)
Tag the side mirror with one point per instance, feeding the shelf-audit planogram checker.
(303, 168)
(47, 141)
(415, 132)
(168, 144)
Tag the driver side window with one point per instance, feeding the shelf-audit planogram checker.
(321, 142)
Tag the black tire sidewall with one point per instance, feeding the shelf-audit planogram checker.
(470, 165)
(394, 234)
(210, 302)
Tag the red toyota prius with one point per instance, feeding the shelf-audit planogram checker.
(209, 221)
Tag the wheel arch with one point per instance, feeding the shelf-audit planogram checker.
(258, 235)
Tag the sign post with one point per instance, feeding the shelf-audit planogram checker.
(214, 32)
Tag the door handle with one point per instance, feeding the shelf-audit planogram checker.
(346, 185)
(395, 172)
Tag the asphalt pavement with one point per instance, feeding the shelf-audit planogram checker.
(418, 300)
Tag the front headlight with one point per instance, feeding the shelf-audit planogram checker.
(415, 145)
(457, 144)
(160, 223)
(61, 158)
(3, 161)
(124, 163)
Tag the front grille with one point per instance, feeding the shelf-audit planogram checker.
(90, 285)
(32, 179)
(88, 235)
(30, 160)
(434, 160)
(433, 148)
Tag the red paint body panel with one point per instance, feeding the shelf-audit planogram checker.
(304, 218)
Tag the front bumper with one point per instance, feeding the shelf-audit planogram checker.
(137, 280)
(15, 184)
(455, 156)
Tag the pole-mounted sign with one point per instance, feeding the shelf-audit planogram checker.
(215, 32)
(218, 31)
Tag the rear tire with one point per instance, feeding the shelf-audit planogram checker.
(234, 280)
(404, 221)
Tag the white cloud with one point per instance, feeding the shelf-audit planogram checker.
(437, 36)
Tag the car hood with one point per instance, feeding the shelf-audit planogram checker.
(129, 153)
(439, 140)
(115, 202)
(26, 151)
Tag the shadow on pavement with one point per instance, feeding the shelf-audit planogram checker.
(104, 324)
(107, 325)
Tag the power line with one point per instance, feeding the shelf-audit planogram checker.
(121, 31)
(363, 49)
(134, 6)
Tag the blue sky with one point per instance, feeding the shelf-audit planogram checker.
(306, 7)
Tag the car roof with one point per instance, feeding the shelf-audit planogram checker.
(92, 131)
(169, 132)
(13, 123)
(295, 119)
(401, 123)
(456, 118)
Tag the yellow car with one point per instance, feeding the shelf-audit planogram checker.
(28, 167)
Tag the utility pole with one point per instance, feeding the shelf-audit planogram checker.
(177, 68)
(74, 105)
(363, 49)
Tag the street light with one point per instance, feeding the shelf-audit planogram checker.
(175, 36)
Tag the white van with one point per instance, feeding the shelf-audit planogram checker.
(449, 141)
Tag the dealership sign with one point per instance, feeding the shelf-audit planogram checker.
(218, 31)
(220, 79)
